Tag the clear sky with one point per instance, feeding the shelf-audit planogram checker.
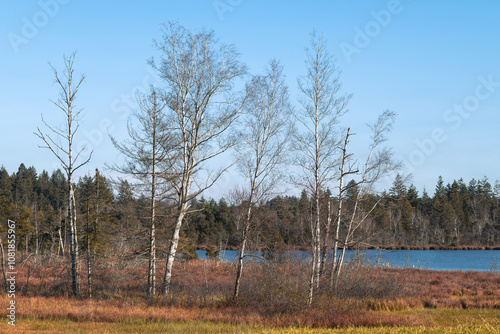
(435, 63)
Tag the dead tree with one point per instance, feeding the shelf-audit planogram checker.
(198, 74)
(345, 169)
(263, 144)
(322, 104)
(378, 164)
(148, 155)
(64, 151)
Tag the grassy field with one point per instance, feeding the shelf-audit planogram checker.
(435, 321)
(272, 300)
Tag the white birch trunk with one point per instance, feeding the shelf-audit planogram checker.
(241, 256)
(172, 251)
(152, 237)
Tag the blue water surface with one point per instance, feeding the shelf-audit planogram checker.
(463, 260)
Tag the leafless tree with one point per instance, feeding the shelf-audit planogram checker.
(345, 169)
(198, 73)
(64, 152)
(379, 163)
(148, 155)
(263, 144)
(322, 104)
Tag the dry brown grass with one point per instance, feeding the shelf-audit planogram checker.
(271, 294)
(109, 311)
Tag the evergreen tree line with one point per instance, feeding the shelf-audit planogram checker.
(111, 218)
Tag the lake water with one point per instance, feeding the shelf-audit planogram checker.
(463, 260)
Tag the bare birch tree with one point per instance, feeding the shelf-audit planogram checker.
(148, 155)
(198, 73)
(322, 104)
(263, 144)
(69, 86)
(379, 163)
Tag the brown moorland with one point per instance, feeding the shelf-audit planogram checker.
(272, 294)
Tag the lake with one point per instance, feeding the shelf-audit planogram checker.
(463, 260)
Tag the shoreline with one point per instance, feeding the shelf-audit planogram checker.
(366, 247)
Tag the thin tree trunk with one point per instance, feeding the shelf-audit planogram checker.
(346, 240)
(316, 260)
(152, 240)
(75, 275)
(65, 230)
(336, 242)
(340, 262)
(244, 235)
(3, 266)
(72, 242)
(324, 250)
(318, 242)
(52, 242)
(152, 261)
(317, 194)
(77, 253)
(36, 231)
(316, 230)
(61, 244)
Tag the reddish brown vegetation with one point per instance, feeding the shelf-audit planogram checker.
(272, 293)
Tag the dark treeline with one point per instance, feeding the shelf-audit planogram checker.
(111, 218)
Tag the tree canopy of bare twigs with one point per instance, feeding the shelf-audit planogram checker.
(263, 144)
(321, 105)
(199, 74)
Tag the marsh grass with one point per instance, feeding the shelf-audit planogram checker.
(202, 327)
(272, 299)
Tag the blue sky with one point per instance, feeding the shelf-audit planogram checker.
(437, 64)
